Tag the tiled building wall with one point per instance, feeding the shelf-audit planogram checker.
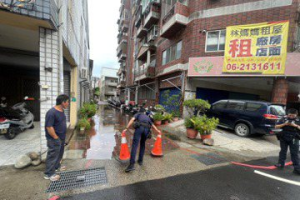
(49, 58)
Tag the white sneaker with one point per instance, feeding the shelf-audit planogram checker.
(54, 177)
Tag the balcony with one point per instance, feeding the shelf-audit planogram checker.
(110, 83)
(122, 38)
(122, 57)
(47, 11)
(175, 20)
(141, 32)
(145, 71)
(110, 93)
(125, 26)
(122, 48)
(121, 70)
(144, 48)
(152, 14)
(121, 84)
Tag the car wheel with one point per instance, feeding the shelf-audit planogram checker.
(32, 126)
(11, 134)
(242, 130)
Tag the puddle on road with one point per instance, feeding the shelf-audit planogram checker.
(100, 141)
(103, 141)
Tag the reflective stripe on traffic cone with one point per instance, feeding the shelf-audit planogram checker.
(157, 149)
(124, 152)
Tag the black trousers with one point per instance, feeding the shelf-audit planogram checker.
(140, 136)
(294, 150)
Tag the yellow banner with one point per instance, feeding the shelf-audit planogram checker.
(256, 48)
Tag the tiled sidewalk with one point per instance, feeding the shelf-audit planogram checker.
(26, 141)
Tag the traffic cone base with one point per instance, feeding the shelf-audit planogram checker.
(157, 149)
(124, 152)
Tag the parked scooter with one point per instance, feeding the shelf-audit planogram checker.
(15, 120)
(3, 103)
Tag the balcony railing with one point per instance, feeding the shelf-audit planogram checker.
(141, 32)
(143, 48)
(175, 19)
(122, 38)
(40, 9)
(121, 84)
(152, 13)
(145, 71)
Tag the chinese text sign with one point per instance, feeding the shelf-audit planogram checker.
(256, 48)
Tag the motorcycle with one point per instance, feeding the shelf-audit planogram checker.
(3, 103)
(15, 120)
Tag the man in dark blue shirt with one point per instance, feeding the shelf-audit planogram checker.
(141, 134)
(55, 128)
(289, 137)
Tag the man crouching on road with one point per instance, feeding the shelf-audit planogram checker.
(289, 137)
(143, 124)
(56, 128)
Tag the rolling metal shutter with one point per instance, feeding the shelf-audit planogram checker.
(67, 89)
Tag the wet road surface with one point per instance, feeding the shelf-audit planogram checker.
(230, 182)
(103, 140)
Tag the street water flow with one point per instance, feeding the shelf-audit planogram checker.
(100, 141)
(103, 140)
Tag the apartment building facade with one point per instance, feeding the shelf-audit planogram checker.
(108, 83)
(45, 52)
(168, 39)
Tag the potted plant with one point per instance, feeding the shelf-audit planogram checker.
(158, 117)
(83, 124)
(176, 115)
(196, 107)
(189, 123)
(167, 118)
(159, 108)
(88, 111)
(205, 126)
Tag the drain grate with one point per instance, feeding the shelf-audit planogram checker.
(209, 158)
(77, 179)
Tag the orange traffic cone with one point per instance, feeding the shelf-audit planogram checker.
(157, 149)
(124, 153)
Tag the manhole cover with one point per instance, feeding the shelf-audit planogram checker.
(78, 179)
(209, 158)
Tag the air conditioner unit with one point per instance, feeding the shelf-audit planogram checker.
(153, 33)
(83, 74)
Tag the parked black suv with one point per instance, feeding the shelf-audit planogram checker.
(247, 117)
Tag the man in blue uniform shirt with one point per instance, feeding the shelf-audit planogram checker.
(143, 124)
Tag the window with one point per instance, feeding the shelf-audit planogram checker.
(172, 53)
(215, 41)
(235, 105)
(277, 110)
(254, 107)
(220, 105)
(178, 50)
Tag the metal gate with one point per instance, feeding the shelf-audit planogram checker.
(163, 98)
